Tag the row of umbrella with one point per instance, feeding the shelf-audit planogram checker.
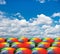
(29, 46)
(24, 39)
(50, 50)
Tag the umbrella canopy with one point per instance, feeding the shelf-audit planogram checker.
(44, 44)
(7, 50)
(23, 39)
(4, 44)
(2, 40)
(56, 44)
(36, 40)
(50, 40)
(29, 45)
(53, 50)
(39, 51)
(23, 51)
(57, 39)
(11, 40)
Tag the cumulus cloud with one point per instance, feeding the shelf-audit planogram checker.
(39, 27)
(2, 2)
(53, 31)
(43, 19)
(56, 14)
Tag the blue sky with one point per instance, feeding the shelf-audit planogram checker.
(30, 8)
(42, 15)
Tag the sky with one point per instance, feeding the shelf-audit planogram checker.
(30, 18)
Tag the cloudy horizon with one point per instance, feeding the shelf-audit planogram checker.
(40, 24)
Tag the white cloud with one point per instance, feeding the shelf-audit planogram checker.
(53, 31)
(2, 2)
(44, 1)
(46, 26)
(41, 1)
(19, 15)
(56, 14)
(41, 19)
(16, 27)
